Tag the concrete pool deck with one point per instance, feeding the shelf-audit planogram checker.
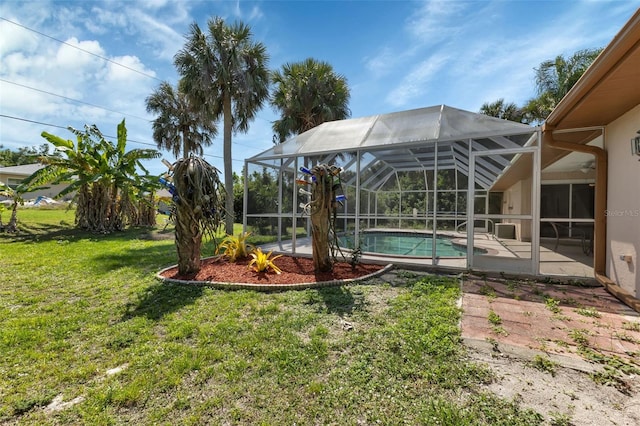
(567, 260)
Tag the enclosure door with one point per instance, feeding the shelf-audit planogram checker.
(480, 206)
(510, 242)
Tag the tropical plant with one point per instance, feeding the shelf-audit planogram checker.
(179, 127)
(200, 200)
(132, 195)
(554, 78)
(103, 176)
(262, 262)
(15, 194)
(225, 74)
(235, 247)
(307, 94)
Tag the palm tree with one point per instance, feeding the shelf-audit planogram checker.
(179, 128)
(307, 94)
(199, 209)
(504, 110)
(554, 79)
(224, 73)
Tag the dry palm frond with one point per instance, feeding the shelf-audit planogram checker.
(199, 208)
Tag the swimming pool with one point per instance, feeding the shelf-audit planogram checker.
(413, 244)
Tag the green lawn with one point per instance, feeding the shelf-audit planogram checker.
(76, 306)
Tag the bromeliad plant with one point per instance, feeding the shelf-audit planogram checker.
(235, 247)
(262, 262)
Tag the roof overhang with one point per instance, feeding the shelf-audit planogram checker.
(609, 88)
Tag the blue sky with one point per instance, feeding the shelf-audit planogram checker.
(71, 63)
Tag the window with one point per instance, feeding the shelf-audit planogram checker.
(13, 182)
(565, 201)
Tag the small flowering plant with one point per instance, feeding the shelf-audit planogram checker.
(262, 262)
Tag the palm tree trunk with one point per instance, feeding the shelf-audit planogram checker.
(322, 205)
(188, 240)
(228, 169)
(185, 148)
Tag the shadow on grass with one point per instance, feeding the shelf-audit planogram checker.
(148, 260)
(340, 300)
(161, 299)
(40, 232)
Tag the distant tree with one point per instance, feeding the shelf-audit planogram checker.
(24, 155)
(238, 196)
(307, 94)
(179, 127)
(504, 110)
(554, 78)
(225, 74)
(262, 195)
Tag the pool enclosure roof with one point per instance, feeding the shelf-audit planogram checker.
(406, 141)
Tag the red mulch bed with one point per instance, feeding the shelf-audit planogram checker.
(294, 270)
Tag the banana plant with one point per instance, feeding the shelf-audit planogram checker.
(15, 194)
(102, 176)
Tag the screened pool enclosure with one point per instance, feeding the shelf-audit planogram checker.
(430, 172)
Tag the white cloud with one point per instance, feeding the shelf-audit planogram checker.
(73, 54)
(105, 21)
(121, 69)
(13, 38)
(383, 62)
(164, 40)
(255, 14)
(415, 84)
(435, 21)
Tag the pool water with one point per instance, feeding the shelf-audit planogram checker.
(405, 244)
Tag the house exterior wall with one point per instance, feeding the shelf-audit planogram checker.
(517, 200)
(623, 203)
(51, 191)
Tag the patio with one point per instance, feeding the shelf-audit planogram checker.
(567, 261)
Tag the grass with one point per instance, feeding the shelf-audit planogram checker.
(82, 316)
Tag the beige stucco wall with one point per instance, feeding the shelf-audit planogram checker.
(517, 200)
(623, 202)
